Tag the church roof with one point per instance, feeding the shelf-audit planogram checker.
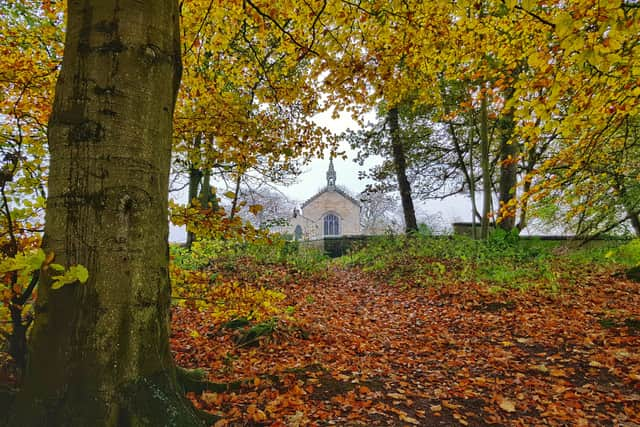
(327, 189)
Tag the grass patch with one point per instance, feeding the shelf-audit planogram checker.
(504, 261)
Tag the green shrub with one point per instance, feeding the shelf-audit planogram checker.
(228, 254)
(504, 260)
(627, 254)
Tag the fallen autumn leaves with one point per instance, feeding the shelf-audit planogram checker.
(376, 354)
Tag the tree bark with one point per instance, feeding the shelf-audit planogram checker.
(99, 351)
(195, 177)
(635, 222)
(400, 163)
(472, 193)
(509, 153)
(207, 197)
(236, 195)
(484, 165)
(632, 211)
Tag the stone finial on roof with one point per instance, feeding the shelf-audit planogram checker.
(331, 176)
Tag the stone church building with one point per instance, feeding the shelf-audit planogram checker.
(329, 213)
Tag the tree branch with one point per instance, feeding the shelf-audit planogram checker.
(537, 17)
(305, 49)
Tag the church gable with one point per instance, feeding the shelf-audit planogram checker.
(331, 188)
(331, 211)
(336, 191)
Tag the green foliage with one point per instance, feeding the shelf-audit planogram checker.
(424, 229)
(226, 254)
(504, 260)
(251, 336)
(237, 323)
(25, 263)
(201, 253)
(627, 254)
(19, 278)
(75, 273)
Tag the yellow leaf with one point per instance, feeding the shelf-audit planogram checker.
(210, 398)
(540, 368)
(450, 405)
(557, 373)
(564, 24)
(396, 396)
(221, 423)
(528, 4)
(255, 209)
(507, 405)
(409, 420)
(634, 377)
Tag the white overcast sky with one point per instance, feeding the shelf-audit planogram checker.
(314, 177)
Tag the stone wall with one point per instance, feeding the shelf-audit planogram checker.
(337, 246)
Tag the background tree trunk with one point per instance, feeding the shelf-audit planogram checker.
(195, 177)
(635, 222)
(100, 351)
(400, 164)
(484, 165)
(207, 197)
(509, 153)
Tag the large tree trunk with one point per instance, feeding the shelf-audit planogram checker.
(100, 351)
(400, 163)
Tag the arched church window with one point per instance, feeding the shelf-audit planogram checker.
(331, 225)
(298, 232)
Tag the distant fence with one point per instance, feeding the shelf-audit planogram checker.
(466, 229)
(336, 246)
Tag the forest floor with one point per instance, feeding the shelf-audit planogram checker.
(354, 351)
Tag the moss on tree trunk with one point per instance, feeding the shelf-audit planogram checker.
(99, 352)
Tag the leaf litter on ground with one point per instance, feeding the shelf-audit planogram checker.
(458, 354)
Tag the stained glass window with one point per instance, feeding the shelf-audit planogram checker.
(331, 225)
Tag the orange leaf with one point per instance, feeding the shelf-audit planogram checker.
(363, 389)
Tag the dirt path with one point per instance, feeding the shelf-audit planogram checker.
(371, 354)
